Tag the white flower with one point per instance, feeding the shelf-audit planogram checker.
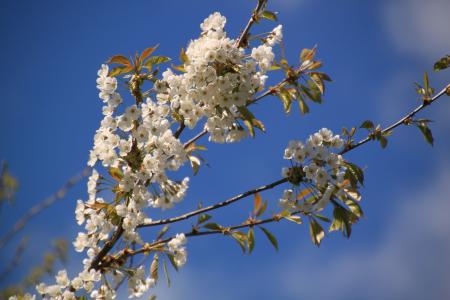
(125, 122)
(133, 112)
(315, 140)
(62, 279)
(81, 242)
(178, 241)
(275, 36)
(264, 56)
(77, 283)
(79, 212)
(141, 134)
(327, 134)
(106, 85)
(321, 176)
(214, 22)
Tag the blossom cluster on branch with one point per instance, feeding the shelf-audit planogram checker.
(139, 149)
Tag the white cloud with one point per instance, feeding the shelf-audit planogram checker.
(419, 27)
(410, 262)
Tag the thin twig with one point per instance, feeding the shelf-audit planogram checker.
(179, 130)
(60, 194)
(16, 259)
(242, 40)
(402, 121)
(215, 206)
(195, 138)
(123, 254)
(271, 185)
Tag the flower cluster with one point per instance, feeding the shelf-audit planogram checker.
(65, 288)
(137, 146)
(219, 77)
(178, 251)
(315, 164)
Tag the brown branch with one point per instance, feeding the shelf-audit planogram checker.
(271, 185)
(243, 38)
(20, 224)
(123, 254)
(97, 261)
(402, 121)
(155, 246)
(179, 130)
(195, 138)
(15, 260)
(217, 205)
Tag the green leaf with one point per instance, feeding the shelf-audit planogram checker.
(319, 82)
(285, 98)
(354, 207)
(251, 240)
(120, 70)
(270, 237)
(367, 125)
(304, 109)
(172, 261)
(183, 56)
(119, 59)
(154, 268)
(166, 273)
(162, 232)
(115, 173)
(274, 67)
(316, 232)
(426, 84)
(250, 121)
(241, 239)
(203, 218)
(307, 54)
(295, 219)
(147, 52)
(269, 15)
(179, 68)
(322, 217)
(383, 141)
(314, 92)
(8, 184)
(257, 201)
(249, 126)
(262, 209)
(322, 76)
(213, 226)
(354, 173)
(341, 221)
(442, 64)
(427, 134)
(156, 60)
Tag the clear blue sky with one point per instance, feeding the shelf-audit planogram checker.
(373, 50)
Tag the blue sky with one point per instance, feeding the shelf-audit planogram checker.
(373, 50)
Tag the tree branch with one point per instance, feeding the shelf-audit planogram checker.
(276, 183)
(20, 224)
(215, 206)
(15, 260)
(179, 130)
(402, 121)
(242, 40)
(124, 254)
